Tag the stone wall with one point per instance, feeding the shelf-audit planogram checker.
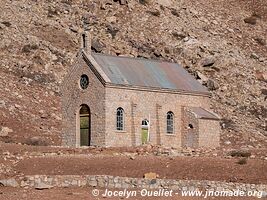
(103, 181)
(151, 105)
(73, 97)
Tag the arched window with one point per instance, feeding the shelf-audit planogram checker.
(120, 119)
(170, 119)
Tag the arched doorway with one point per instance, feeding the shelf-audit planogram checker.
(85, 126)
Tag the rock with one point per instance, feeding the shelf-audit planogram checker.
(74, 28)
(132, 157)
(254, 56)
(6, 23)
(260, 41)
(207, 62)
(252, 156)
(122, 2)
(227, 142)
(44, 116)
(9, 182)
(261, 59)
(2, 104)
(165, 3)
(264, 194)
(251, 20)
(202, 77)
(4, 131)
(17, 106)
(264, 91)
(36, 141)
(111, 19)
(42, 186)
(179, 35)
(212, 85)
(113, 30)
(97, 46)
(261, 76)
(150, 175)
(230, 102)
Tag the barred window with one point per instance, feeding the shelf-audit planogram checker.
(170, 119)
(120, 119)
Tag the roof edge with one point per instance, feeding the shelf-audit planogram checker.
(155, 89)
(216, 116)
(95, 68)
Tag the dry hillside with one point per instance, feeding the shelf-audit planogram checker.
(221, 42)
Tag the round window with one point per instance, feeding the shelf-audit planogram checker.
(84, 81)
(190, 126)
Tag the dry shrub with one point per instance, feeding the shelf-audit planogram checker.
(154, 13)
(240, 153)
(144, 2)
(36, 141)
(242, 161)
(251, 20)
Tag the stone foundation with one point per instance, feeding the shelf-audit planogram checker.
(103, 181)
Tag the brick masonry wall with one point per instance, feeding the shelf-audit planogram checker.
(148, 105)
(189, 118)
(138, 105)
(73, 97)
(209, 133)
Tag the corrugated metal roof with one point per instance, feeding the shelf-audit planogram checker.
(147, 73)
(201, 113)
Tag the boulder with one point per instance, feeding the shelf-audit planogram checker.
(202, 77)
(251, 20)
(2, 103)
(122, 2)
(212, 85)
(4, 131)
(165, 3)
(42, 186)
(261, 76)
(150, 175)
(97, 46)
(111, 19)
(9, 182)
(207, 62)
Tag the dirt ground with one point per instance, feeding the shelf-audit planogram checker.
(86, 193)
(16, 160)
(196, 168)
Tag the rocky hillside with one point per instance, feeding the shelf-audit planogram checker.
(221, 42)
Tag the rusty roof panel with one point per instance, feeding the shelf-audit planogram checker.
(147, 73)
(201, 113)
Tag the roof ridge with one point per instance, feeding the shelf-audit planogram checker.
(136, 58)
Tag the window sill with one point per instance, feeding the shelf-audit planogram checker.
(170, 134)
(122, 131)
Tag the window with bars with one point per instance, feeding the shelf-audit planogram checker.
(120, 119)
(170, 119)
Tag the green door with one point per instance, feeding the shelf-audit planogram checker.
(144, 135)
(85, 136)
